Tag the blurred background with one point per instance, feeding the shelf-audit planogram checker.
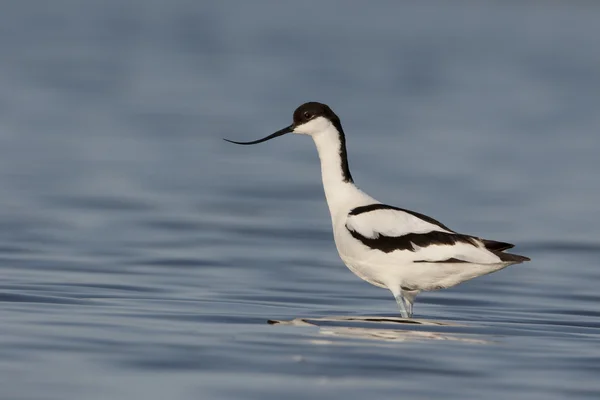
(141, 256)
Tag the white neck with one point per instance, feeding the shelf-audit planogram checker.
(340, 192)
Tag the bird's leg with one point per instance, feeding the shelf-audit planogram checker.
(405, 297)
(405, 305)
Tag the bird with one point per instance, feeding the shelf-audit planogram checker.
(390, 247)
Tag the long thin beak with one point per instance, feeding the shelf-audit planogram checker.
(278, 133)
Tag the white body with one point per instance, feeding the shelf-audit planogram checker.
(405, 273)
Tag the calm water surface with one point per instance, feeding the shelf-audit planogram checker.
(141, 256)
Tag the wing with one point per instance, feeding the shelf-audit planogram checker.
(498, 246)
(419, 238)
(380, 219)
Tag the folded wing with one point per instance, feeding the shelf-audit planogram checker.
(419, 238)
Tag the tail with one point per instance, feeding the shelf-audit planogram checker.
(498, 249)
(508, 257)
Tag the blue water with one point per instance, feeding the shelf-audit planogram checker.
(141, 256)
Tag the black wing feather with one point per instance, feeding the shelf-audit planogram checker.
(497, 246)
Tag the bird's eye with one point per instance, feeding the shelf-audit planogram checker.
(307, 115)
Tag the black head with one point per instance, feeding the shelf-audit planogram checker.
(312, 110)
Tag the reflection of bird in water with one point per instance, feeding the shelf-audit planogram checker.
(379, 334)
(401, 250)
(396, 335)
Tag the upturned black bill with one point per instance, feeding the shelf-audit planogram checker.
(278, 133)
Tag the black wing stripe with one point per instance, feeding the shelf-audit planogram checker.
(447, 261)
(498, 246)
(508, 257)
(374, 207)
(387, 244)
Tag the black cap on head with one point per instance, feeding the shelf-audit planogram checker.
(311, 110)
